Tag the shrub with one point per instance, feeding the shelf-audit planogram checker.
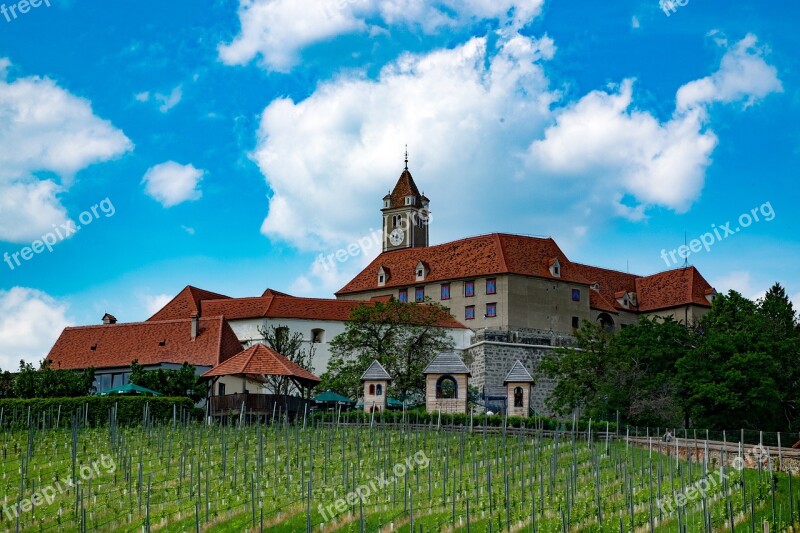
(130, 410)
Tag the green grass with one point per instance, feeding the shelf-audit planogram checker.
(263, 471)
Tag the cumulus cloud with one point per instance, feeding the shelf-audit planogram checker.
(603, 145)
(278, 30)
(171, 183)
(609, 148)
(30, 322)
(329, 159)
(45, 129)
(743, 75)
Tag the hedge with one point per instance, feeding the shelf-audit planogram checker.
(15, 412)
(422, 417)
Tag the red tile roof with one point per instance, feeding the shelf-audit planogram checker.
(151, 342)
(291, 307)
(613, 284)
(261, 360)
(185, 304)
(273, 292)
(681, 286)
(405, 187)
(485, 255)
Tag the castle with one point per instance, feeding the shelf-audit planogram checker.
(521, 295)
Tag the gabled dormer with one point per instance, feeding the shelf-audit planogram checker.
(625, 299)
(711, 294)
(421, 271)
(555, 267)
(595, 286)
(383, 276)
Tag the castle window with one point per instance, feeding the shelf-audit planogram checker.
(410, 200)
(419, 294)
(518, 397)
(386, 203)
(317, 335)
(403, 296)
(491, 286)
(491, 310)
(378, 390)
(445, 291)
(372, 389)
(469, 288)
(576, 322)
(446, 387)
(576, 295)
(469, 312)
(381, 279)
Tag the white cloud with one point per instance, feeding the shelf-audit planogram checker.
(743, 75)
(741, 282)
(278, 30)
(154, 302)
(635, 22)
(30, 322)
(330, 158)
(45, 128)
(168, 101)
(188, 229)
(29, 204)
(171, 183)
(609, 149)
(5, 63)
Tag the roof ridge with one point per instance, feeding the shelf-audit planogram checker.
(502, 254)
(143, 323)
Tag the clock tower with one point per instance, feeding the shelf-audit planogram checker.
(405, 215)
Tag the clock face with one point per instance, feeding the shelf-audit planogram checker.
(396, 236)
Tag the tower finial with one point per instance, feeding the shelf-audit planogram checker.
(406, 157)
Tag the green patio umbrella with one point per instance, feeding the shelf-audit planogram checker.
(130, 388)
(330, 397)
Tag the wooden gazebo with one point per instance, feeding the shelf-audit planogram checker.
(256, 364)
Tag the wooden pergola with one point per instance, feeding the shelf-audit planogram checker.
(257, 363)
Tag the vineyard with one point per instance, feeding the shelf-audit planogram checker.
(322, 476)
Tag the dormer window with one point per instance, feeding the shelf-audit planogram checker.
(383, 276)
(421, 271)
(386, 203)
(596, 286)
(410, 200)
(555, 268)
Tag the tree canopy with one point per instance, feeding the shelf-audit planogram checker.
(736, 368)
(404, 337)
(181, 382)
(289, 345)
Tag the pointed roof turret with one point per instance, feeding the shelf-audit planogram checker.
(518, 374)
(376, 372)
(405, 187)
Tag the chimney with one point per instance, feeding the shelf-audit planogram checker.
(109, 319)
(194, 325)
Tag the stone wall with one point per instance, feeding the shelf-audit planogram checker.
(489, 363)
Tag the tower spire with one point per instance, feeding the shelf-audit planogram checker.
(406, 157)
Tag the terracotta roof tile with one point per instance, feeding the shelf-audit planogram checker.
(186, 303)
(291, 307)
(681, 286)
(484, 255)
(261, 360)
(151, 342)
(405, 187)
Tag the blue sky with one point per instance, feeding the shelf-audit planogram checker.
(227, 145)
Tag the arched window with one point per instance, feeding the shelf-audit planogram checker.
(518, 397)
(372, 389)
(379, 390)
(606, 322)
(446, 387)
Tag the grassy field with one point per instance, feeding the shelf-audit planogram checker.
(283, 477)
